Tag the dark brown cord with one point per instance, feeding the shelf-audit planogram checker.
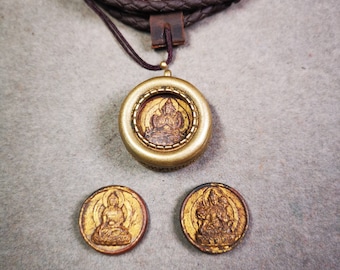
(136, 13)
(125, 44)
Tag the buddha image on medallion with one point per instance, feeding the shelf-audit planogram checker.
(215, 219)
(165, 125)
(112, 216)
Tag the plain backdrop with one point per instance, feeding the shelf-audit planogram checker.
(270, 72)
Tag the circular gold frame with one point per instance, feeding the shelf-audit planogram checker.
(89, 211)
(171, 157)
(189, 221)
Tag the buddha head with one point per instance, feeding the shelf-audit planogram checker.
(168, 107)
(112, 200)
(213, 198)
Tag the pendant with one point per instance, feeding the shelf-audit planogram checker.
(165, 122)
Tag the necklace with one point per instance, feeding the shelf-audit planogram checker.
(165, 122)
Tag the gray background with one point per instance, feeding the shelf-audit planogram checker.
(269, 70)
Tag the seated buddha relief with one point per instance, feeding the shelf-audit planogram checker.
(165, 126)
(111, 231)
(215, 223)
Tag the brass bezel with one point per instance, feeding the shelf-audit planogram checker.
(159, 158)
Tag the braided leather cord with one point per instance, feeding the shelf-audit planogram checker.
(136, 13)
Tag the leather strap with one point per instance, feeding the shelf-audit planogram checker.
(136, 13)
(172, 21)
(168, 18)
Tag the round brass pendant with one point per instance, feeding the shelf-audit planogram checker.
(165, 123)
(214, 218)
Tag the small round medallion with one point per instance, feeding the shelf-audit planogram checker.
(165, 123)
(113, 219)
(214, 218)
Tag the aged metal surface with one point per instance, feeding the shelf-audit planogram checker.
(113, 219)
(214, 218)
(165, 118)
(165, 122)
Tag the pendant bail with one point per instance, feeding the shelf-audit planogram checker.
(164, 66)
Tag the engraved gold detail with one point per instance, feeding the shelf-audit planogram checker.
(214, 218)
(165, 118)
(111, 231)
(113, 219)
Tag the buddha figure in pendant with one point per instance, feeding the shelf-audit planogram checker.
(215, 223)
(165, 127)
(111, 231)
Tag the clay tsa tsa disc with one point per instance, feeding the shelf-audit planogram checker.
(214, 218)
(113, 219)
